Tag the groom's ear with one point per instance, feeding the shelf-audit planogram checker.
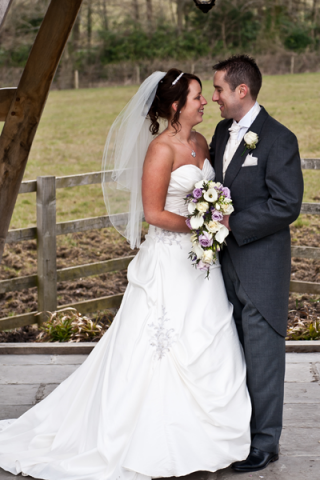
(243, 90)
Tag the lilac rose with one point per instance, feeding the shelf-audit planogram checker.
(216, 215)
(197, 193)
(188, 223)
(226, 192)
(205, 240)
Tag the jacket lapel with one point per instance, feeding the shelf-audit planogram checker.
(238, 158)
(221, 146)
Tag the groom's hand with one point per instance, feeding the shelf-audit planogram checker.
(225, 222)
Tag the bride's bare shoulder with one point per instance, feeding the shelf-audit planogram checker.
(160, 151)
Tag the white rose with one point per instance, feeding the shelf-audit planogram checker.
(197, 250)
(200, 184)
(251, 138)
(196, 222)
(213, 226)
(222, 234)
(191, 207)
(202, 207)
(211, 195)
(207, 256)
(227, 209)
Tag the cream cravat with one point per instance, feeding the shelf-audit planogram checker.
(231, 147)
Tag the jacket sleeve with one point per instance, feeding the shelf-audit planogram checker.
(212, 147)
(285, 184)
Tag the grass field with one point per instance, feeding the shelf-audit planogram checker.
(75, 123)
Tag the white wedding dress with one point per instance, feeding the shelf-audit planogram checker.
(164, 391)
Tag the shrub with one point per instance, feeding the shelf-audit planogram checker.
(68, 325)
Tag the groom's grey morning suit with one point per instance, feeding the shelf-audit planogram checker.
(257, 261)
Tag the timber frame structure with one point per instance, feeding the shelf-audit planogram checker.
(21, 108)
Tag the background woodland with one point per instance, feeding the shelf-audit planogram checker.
(122, 42)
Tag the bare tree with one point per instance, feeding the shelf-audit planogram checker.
(149, 12)
(136, 12)
(104, 14)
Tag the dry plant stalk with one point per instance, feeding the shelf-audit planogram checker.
(68, 325)
(306, 328)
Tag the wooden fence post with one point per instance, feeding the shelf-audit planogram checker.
(46, 245)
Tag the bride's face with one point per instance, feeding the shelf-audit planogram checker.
(192, 112)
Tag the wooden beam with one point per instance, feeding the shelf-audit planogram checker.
(28, 103)
(92, 269)
(4, 7)
(305, 252)
(92, 306)
(46, 245)
(298, 286)
(310, 208)
(310, 163)
(6, 97)
(9, 323)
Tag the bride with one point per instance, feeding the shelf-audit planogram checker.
(164, 391)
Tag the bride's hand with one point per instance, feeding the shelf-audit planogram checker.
(225, 222)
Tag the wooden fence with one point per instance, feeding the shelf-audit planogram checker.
(47, 230)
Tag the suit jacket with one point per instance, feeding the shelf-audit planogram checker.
(267, 198)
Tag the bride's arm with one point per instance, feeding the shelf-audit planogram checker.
(155, 181)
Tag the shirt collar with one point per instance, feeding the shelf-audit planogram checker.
(247, 120)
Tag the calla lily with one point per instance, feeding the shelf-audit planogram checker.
(196, 222)
(222, 234)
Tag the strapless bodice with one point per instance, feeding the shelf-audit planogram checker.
(182, 182)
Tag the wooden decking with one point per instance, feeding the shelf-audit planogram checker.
(26, 379)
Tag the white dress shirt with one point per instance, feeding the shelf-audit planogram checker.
(237, 132)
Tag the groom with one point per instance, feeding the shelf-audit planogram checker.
(258, 159)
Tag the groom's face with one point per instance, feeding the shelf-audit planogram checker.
(228, 100)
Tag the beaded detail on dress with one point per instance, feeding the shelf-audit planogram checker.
(162, 336)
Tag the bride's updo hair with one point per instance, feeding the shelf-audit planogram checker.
(166, 95)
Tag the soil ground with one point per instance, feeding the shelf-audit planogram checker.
(80, 248)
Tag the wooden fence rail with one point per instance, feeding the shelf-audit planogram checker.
(47, 230)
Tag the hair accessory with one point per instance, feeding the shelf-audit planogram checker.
(177, 79)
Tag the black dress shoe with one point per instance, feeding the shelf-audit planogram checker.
(257, 460)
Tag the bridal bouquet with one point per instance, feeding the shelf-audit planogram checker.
(207, 205)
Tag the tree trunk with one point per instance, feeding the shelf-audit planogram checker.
(223, 34)
(136, 10)
(89, 25)
(180, 5)
(149, 12)
(76, 33)
(105, 19)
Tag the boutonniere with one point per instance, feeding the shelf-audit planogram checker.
(250, 139)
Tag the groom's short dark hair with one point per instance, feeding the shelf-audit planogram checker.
(241, 69)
